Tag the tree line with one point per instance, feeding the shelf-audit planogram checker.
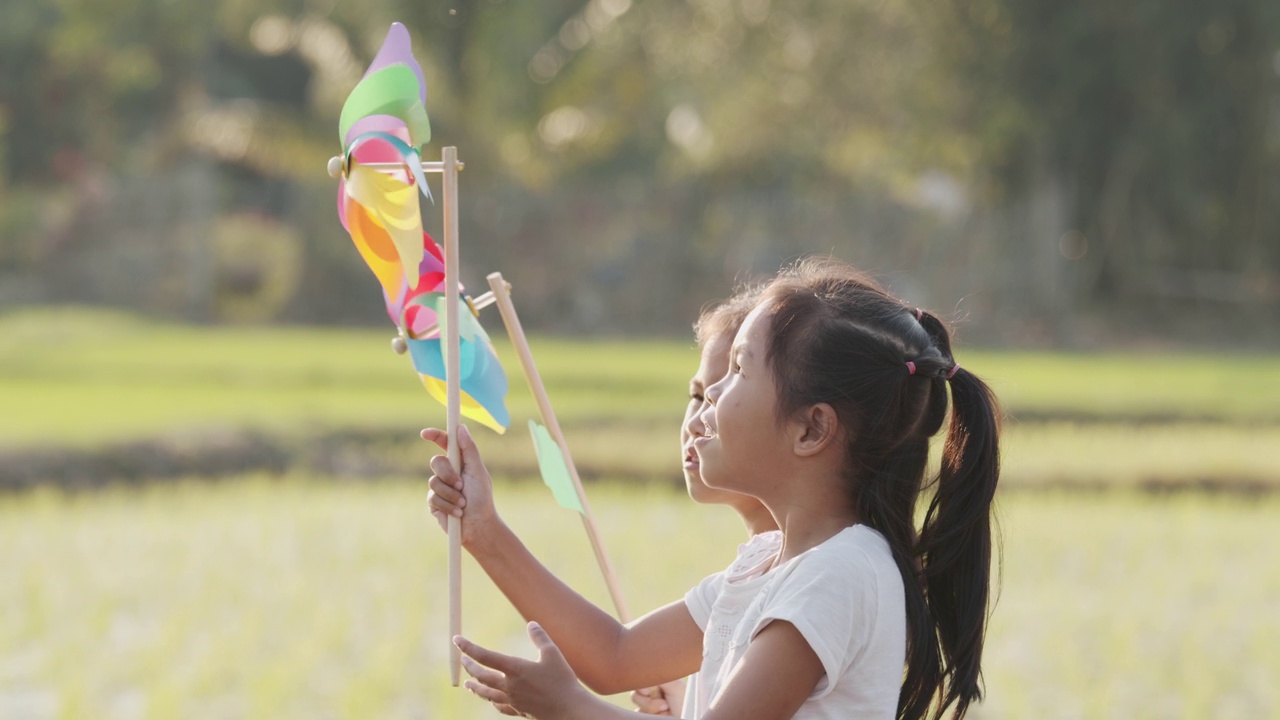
(1060, 173)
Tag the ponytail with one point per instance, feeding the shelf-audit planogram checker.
(954, 548)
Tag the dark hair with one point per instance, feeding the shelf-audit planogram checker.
(725, 317)
(838, 337)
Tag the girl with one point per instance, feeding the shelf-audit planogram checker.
(834, 389)
(714, 331)
(602, 651)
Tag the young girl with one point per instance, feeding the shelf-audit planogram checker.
(590, 636)
(834, 389)
(714, 331)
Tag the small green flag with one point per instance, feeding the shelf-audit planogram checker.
(555, 471)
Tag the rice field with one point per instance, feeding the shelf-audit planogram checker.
(77, 377)
(317, 590)
(299, 598)
(82, 380)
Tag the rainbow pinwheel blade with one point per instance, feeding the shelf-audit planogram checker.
(484, 383)
(394, 86)
(405, 308)
(389, 91)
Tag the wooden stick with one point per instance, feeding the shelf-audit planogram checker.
(334, 166)
(453, 385)
(477, 304)
(502, 297)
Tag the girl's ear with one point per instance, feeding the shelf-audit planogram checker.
(816, 428)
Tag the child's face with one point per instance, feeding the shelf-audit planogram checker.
(741, 443)
(714, 363)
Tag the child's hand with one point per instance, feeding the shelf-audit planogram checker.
(650, 702)
(544, 688)
(453, 494)
(662, 700)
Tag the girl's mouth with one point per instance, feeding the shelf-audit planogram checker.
(709, 430)
(691, 461)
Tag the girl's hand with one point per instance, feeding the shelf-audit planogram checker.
(665, 700)
(651, 702)
(454, 493)
(545, 688)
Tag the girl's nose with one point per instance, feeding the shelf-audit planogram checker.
(694, 425)
(712, 393)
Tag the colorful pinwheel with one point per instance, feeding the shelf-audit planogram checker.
(383, 127)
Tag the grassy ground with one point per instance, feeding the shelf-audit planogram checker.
(80, 379)
(308, 595)
(262, 598)
(83, 378)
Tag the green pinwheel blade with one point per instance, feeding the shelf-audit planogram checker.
(393, 90)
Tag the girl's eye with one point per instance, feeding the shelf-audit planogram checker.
(695, 397)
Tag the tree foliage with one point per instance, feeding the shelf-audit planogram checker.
(629, 159)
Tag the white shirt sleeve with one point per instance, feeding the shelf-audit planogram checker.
(700, 599)
(833, 602)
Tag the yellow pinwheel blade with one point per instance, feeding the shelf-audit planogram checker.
(469, 406)
(376, 247)
(392, 204)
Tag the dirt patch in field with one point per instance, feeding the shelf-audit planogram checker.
(375, 454)
(144, 461)
(348, 454)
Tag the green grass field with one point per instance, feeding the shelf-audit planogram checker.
(87, 379)
(307, 595)
(262, 598)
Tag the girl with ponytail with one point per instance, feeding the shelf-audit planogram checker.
(834, 390)
(837, 339)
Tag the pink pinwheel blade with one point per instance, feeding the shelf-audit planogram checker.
(389, 124)
(418, 319)
(376, 151)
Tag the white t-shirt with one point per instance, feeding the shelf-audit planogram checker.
(717, 604)
(845, 596)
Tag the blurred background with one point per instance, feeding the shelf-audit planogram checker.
(1065, 175)
(211, 491)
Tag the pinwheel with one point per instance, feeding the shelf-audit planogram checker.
(383, 127)
(380, 175)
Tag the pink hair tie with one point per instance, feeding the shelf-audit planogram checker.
(919, 315)
(952, 372)
(911, 368)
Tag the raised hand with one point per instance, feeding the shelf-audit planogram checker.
(469, 492)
